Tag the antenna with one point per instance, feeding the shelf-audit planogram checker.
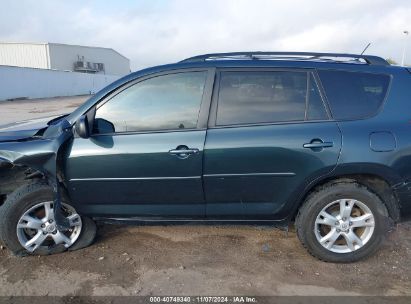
(366, 48)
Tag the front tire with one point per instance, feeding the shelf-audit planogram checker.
(27, 224)
(342, 222)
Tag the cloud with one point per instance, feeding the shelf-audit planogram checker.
(159, 31)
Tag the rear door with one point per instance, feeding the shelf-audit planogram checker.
(269, 133)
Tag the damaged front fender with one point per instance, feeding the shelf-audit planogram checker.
(42, 154)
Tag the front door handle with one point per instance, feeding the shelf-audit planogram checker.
(183, 151)
(318, 144)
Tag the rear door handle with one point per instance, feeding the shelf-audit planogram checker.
(318, 145)
(186, 151)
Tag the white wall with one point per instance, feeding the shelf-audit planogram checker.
(16, 82)
(32, 55)
(63, 56)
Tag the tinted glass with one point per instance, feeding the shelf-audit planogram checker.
(159, 103)
(354, 95)
(259, 97)
(264, 97)
(315, 109)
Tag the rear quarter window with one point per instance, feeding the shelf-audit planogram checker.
(354, 95)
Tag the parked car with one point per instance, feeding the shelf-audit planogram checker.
(323, 140)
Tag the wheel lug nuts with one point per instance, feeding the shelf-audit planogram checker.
(42, 225)
(50, 221)
(344, 218)
(338, 230)
(54, 232)
(44, 232)
(336, 223)
(350, 223)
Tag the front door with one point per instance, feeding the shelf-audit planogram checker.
(269, 134)
(145, 155)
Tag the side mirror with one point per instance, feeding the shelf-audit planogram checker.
(82, 127)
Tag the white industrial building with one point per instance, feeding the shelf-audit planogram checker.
(38, 70)
(64, 57)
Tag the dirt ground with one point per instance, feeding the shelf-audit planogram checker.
(196, 259)
(17, 110)
(205, 260)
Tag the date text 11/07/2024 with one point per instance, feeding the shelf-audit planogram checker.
(203, 299)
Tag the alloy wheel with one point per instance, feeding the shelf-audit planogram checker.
(344, 226)
(37, 227)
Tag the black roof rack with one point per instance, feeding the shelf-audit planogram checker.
(369, 59)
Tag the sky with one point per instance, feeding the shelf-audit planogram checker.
(152, 32)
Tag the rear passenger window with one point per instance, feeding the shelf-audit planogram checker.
(267, 97)
(354, 95)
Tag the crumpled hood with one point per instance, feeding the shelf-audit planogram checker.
(24, 129)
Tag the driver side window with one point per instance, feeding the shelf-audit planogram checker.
(167, 102)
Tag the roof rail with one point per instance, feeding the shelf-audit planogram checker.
(369, 59)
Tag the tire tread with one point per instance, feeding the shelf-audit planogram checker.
(9, 207)
(311, 201)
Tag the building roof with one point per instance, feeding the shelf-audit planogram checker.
(63, 44)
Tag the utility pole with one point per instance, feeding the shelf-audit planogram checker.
(405, 48)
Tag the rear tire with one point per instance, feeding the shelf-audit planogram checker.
(16, 232)
(342, 222)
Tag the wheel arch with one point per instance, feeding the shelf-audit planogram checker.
(13, 176)
(378, 179)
